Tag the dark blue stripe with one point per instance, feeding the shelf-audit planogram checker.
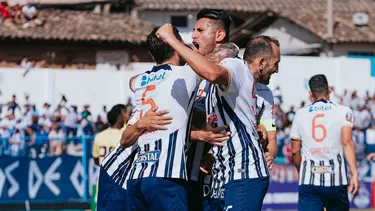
(155, 165)
(122, 166)
(170, 143)
(161, 67)
(170, 170)
(182, 167)
(232, 155)
(113, 158)
(144, 164)
(134, 167)
(126, 170)
(245, 140)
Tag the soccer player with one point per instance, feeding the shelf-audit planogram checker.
(107, 140)
(112, 193)
(321, 137)
(240, 164)
(158, 176)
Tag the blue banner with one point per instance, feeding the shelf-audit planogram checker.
(57, 179)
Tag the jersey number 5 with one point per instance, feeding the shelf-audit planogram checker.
(149, 101)
(316, 127)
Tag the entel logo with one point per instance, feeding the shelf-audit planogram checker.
(149, 79)
(319, 108)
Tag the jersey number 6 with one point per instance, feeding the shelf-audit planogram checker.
(150, 101)
(316, 126)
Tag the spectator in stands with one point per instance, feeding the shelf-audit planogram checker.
(70, 122)
(41, 142)
(56, 140)
(17, 144)
(45, 111)
(359, 142)
(370, 139)
(12, 105)
(346, 99)
(99, 125)
(278, 99)
(45, 122)
(334, 97)
(290, 116)
(29, 11)
(303, 104)
(86, 121)
(4, 11)
(28, 114)
(103, 115)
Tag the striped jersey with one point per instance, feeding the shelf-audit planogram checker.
(318, 126)
(162, 153)
(197, 150)
(264, 108)
(235, 106)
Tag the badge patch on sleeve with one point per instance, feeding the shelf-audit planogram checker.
(349, 117)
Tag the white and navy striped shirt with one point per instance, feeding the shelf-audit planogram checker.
(242, 157)
(162, 153)
(318, 127)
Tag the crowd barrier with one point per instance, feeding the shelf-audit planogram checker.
(67, 178)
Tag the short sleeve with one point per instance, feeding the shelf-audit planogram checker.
(95, 149)
(347, 117)
(237, 74)
(295, 132)
(190, 77)
(266, 118)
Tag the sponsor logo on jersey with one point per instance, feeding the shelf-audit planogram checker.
(321, 151)
(349, 117)
(322, 169)
(147, 157)
(147, 79)
(322, 108)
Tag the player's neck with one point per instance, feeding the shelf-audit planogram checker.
(117, 126)
(174, 60)
(321, 98)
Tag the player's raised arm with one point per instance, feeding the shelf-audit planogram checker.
(349, 151)
(152, 120)
(203, 67)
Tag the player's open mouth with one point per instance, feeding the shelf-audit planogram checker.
(196, 45)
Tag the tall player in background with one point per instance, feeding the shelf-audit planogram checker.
(107, 140)
(321, 137)
(240, 164)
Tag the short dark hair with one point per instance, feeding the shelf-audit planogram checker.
(114, 114)
(319, 85)
(158, 49)
(259, 46)
(220, 17)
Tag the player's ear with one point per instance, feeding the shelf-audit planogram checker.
(311, 94)
(262, 63)
(220, 35)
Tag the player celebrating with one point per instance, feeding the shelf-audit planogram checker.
(321, 137)
(240, 164)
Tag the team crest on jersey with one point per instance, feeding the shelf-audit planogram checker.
(349, 117)
(322, 169)
(148, 157)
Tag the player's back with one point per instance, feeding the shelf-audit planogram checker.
(169, 88)
(318, 126)
(105, 142)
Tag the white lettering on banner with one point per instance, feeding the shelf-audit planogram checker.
(77, 171)
(281, 198)
(14, 186)
(51, 175)
(34, 187)
(93, 174)
(2, 181)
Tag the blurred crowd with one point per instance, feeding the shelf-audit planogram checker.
(28, 131)
(19, 13)
(363, 120)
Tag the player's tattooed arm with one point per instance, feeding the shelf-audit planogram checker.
(152, 120)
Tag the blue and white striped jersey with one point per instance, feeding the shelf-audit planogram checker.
(235, 106)
(162, 153)
(318, 127)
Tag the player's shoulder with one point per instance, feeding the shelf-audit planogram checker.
(264, 91)
(154, 75)
(237, 61)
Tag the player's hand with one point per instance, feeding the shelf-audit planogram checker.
(206, 163)
(262, 132)
(353, 187)
(215, 136)
(269, 160)
(155, 120)
(165, 33)
(371, 157)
